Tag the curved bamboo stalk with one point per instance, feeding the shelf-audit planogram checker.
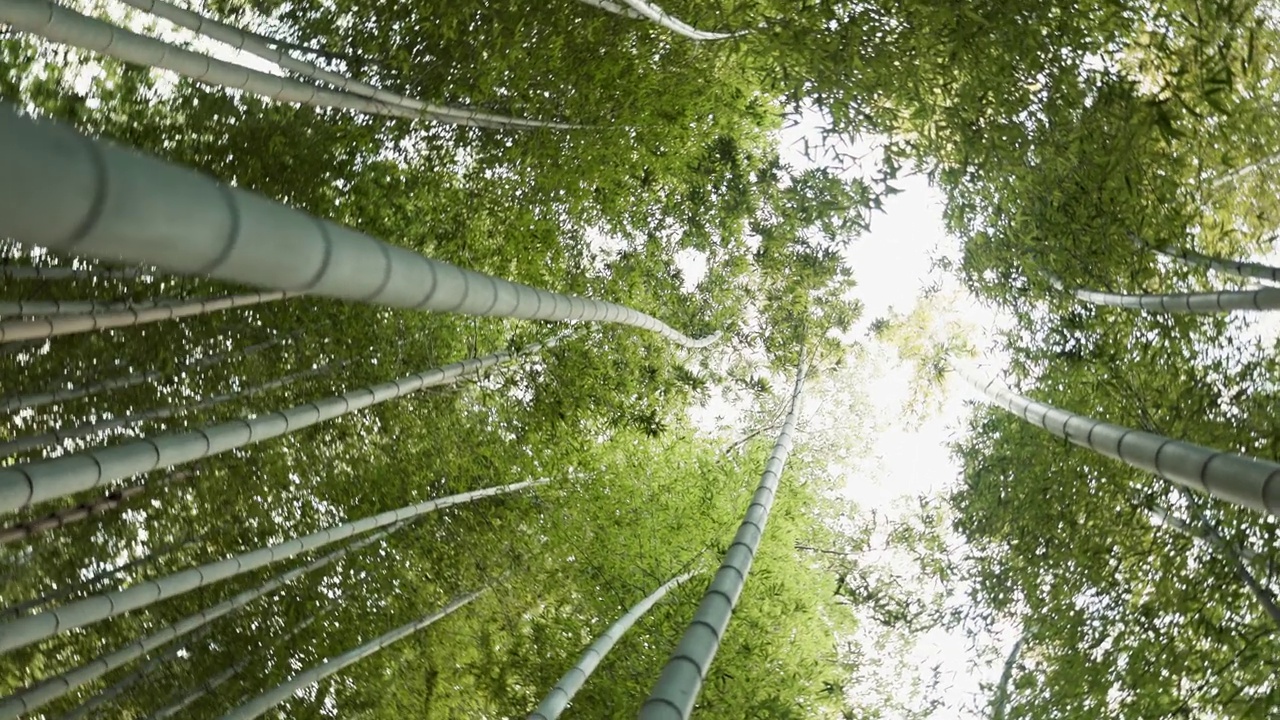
(677, 688)
(250, 43)
(572, 681)
(1241, 269)
(122, 685)
(221, 678)
(70, 324)
(55, 687)
(33, 400)
(29, 442)
(54, 185)
(661, 17)
(68, 27)
(24, 485)
(87, 611)
(614, 8)
(16, 272)
(66, 591)
(285, 690)
(1245, 481)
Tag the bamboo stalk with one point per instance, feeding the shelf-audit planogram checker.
(572, 681)
(70, 324)
(677, 688)
(65, 26)
(285, 690)
(87, 611)
(1237, 268)
(32, 400)
(53, 186)
(24, 485)
(52, 688)
(251, 43)
(29, 442)
(1245, 481)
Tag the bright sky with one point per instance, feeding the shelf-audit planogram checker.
(892, 265)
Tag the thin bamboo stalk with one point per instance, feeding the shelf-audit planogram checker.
(76, 307)
(69, 324)
(32, 400)
(1245, 481)
(1197, 303)
(572, 681)
(221, 678)
(68, 27)
(285, 690)
(55, 687)
(657, 15)
(54, 185)
(69, 589)
(19, 272)
(122, 685)
(24, 631)
(250, 42)
(1237, 268)
(677, 688)
(29, 442)
(68, 516)
(24, 485)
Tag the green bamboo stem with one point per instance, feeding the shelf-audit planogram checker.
(54, 186)
(250, 43)
(57, 325)
(87, 611)
(121, 686)
(83, 511)
(32, 400)
(24, 485)
(67, 590)
(76, 307)
(655, 14)
(65, 26)
(1236, 268)
(677, 688)
(285, 690)
(1245, 481)
(1196, 303)
(572, 681)
(22, 272)
(221, 678)
(30, 442)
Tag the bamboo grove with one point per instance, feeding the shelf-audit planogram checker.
(347, 354)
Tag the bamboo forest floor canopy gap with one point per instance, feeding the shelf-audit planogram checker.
(342, 254)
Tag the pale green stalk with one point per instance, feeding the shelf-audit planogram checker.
(24, 485)
(54, 187)
(646, 10)
(286, 690)
(118, 688)
(68, 27)
(1237, 268)
(56, 325)
(250, 42)
(1249, 482)
(96, 608)
(221, 678)
(677, 688)
(32, 400)
(572, 681)
(29, 442)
